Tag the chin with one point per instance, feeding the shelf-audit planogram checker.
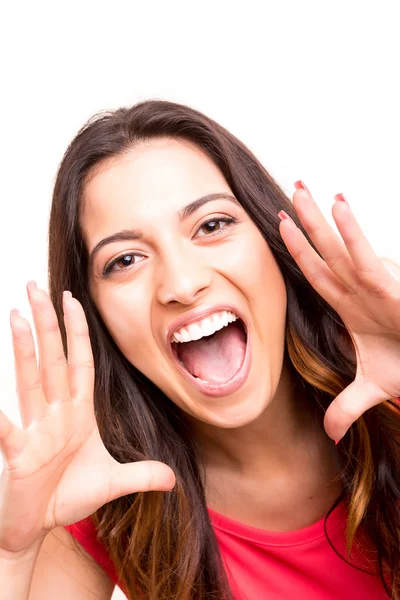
(233, 414)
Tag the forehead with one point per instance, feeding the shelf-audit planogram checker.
(154, 179)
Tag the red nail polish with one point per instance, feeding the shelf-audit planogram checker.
(282, 215)
(341, 198)
(300, 185)
(336, 442)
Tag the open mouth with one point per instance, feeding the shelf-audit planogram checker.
(212, 352)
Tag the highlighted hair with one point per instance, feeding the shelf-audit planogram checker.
(163, 544)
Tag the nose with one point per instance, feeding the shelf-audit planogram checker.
(183, 278)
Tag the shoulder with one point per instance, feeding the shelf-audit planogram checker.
(85, 533)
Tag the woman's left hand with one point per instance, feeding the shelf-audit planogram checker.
(354, 281)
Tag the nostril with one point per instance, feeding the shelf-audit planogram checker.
(170, 297)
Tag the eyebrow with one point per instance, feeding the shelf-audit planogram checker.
(136, 234)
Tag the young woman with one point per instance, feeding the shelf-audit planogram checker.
(188, 442)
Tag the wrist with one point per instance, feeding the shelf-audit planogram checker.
(16, 571)
(22, 556)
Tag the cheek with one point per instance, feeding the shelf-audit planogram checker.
(252, 264)
(265, 289)
(128, 321)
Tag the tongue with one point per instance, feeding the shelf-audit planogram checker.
(215, 358)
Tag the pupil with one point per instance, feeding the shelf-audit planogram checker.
(128, 259)
(210, 225)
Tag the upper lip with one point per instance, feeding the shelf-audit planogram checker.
(198, 314)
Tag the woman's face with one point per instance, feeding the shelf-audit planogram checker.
(186, 263)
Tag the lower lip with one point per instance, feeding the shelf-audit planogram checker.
(221, 389)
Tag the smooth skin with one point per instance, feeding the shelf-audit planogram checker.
(57, 470)
(257, 431)
(263, 456)
(366, 295)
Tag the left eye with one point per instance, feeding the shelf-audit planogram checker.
(211, 227)
(214, 226)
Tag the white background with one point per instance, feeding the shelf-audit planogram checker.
(311, 87)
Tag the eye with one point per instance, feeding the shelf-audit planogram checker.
(211, 227)
(126, 260)
(214, 227)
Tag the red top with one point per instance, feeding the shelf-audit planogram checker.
(274, 565)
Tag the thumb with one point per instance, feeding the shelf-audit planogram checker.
(140, 476)
(349, 405)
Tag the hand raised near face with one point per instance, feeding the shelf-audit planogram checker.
(56, 468)
(354, 280)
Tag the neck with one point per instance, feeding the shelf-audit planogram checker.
(267, 467)
(271, 442)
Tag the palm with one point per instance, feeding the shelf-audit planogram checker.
(374, 326)
(57, 469)
(60, 481)
(350, 276)
(91, 472)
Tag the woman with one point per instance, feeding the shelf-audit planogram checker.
(231, 349)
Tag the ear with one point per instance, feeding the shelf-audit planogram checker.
(391, 266)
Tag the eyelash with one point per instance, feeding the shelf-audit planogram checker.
(227, 220)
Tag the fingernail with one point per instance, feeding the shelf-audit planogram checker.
(66, 294)
(14, 313)
(341, 198)
(336, 442)
(285, 217)
(30, 286)
(300, 185)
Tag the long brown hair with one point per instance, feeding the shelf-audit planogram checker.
(163, 544)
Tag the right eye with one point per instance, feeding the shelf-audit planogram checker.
(125, 260)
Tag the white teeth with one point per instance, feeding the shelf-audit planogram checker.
(218, 321)
(207, 326)
(185, 336)
(202, 380)
(195, 331)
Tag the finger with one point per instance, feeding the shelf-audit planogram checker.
(348, 406)
(11, 438)
(325, 239)
(32, 402)
(80, 357)
(140, 476)
(52, 361)
(311, 264)
(367, 264)
(391, 266)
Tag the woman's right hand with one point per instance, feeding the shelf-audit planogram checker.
(56, 469)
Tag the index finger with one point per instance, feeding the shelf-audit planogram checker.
(80, 356)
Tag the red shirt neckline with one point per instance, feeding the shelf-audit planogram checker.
(280, 538)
